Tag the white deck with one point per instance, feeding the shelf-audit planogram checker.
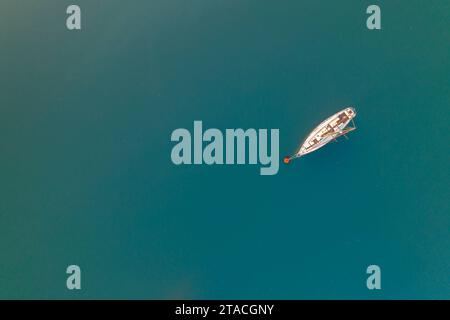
(327, 131)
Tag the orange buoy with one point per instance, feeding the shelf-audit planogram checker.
(286, 160)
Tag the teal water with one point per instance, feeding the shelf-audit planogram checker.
(85, 170)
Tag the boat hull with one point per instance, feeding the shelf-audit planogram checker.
(326, 131)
